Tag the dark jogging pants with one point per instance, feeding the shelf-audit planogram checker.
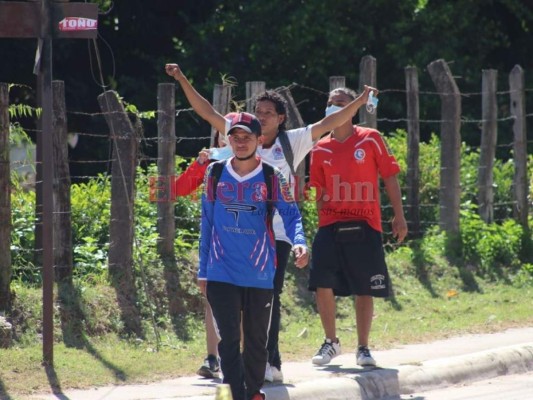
(283, 251)
(245, 373)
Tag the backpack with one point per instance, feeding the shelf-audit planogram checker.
(268, 173)
(287, 150)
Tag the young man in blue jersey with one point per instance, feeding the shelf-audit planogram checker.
(238, 253)
(271, 110)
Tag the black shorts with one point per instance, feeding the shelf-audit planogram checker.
(355, 267)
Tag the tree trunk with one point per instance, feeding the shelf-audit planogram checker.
(62, 214)
(413, 151)
(5, 202)
(489, 136)
(121, 230)
(518, 110)
(70, 309)
(252, 89)
(166, 222)
(367, 76)
(450, 191)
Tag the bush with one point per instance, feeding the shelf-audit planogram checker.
(492, 249)
(23, 234)
(91, 212)
(429, 162)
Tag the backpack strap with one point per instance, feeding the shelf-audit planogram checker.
(212, 183)
(287, 150)
(270, 179)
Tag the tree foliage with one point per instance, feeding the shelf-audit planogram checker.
(279, 42)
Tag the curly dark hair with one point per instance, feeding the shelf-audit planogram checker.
(278, 100)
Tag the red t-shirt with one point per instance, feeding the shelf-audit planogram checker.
(346, 176)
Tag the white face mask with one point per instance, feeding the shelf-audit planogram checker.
(331, 109)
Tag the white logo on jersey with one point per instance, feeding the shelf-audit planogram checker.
(359, 155)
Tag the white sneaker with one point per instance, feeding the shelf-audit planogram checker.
(328, 351)
(277, 375)
(268, 373)
(364, 358)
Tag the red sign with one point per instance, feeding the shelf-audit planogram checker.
(70, 24)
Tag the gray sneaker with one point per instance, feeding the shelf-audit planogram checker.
(364, 358)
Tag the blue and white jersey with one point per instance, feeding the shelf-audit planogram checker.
(236, 244)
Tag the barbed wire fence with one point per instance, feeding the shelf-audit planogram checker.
(490, 122)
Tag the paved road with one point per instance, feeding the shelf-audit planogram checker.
(403, 370)
(506, 387)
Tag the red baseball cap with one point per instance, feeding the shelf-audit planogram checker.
(245, 121)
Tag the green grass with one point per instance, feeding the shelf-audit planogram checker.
(445, 303)
(430, 303)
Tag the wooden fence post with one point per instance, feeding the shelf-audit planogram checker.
(221, 103)
(121, 231)
(518, 108)
(450, 191)
(71, 314)
(367, 76)
(5, 202)
(413, 151)
(61, 188)
(489, 134)
(336, 82)
(252, 89)
(166, 153)
(294, 119)
(166, 221)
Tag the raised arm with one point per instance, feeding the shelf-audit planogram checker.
(338, 118)
(200, 105)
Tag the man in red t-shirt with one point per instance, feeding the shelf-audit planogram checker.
(348, 256)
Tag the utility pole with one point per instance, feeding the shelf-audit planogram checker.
(46, 20)
(44, 71)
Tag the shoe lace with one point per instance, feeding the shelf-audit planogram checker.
(211, 362)
(326, 349)
(364, 351)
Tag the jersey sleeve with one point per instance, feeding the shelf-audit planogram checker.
(206, 227)
(301, 143)
(387, 164)
(288, 209)
(316, 173)
(189, 180)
